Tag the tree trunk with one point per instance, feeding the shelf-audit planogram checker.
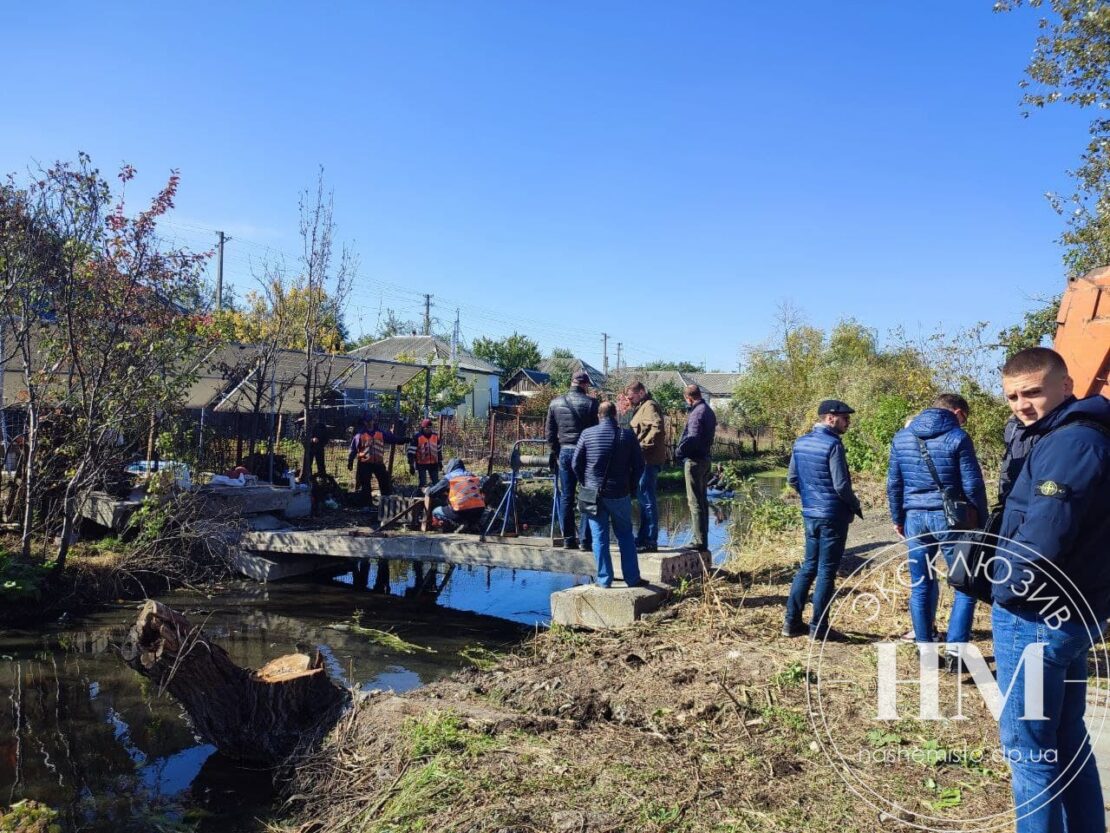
(150, 438)
(260, 716)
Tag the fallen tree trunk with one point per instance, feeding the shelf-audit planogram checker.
(261, 716)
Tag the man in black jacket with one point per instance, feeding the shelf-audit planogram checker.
(567, 417)
(608, 458)
(693, 451)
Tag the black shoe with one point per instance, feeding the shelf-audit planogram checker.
(647, 548)
(829, 635)
(793, 629)
(586, 546)
(570, 543)
(953, 664)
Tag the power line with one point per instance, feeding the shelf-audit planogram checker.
(366, 288)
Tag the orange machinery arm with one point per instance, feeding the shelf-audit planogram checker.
(1083, 331)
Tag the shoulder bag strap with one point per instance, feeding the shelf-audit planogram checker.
(929, 462)
(612, 454)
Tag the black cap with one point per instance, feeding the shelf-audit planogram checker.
(833, 406)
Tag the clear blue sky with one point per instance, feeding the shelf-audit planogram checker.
(665, 172)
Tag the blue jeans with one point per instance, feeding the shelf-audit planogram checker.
(825, 539)
(926, 530)
(568, 491)
(1053, 775)
(619, 511)
(649, 507)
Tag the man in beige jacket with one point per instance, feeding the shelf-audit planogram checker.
(648, 426)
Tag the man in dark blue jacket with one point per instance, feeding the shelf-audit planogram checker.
(819, 473)
(1051, 593)
(608, 458)
(917, 509)
(567, 417)
(694, 449)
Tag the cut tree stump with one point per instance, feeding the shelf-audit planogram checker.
(261, 716)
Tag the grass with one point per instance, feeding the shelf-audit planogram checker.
(698, 721)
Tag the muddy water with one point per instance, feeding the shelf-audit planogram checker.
(83, 733)
(86, 735)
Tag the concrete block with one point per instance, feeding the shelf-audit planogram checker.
(667, 567)
(590, 606)
(103, 509)
(246, 500)
(274, 567)
(299, 505)
(266, 523)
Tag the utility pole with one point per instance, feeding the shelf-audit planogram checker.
(427, 315)
(605, 353)
(620, 344)
(455, 338)
(220, 271)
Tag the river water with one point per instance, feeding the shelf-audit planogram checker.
(83, 733)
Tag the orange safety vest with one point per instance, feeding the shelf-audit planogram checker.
(466, 493)
(427, 449)
(371, 447)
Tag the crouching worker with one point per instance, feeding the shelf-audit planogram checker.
(461, 495)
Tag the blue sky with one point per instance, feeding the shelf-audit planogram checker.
(668, 173)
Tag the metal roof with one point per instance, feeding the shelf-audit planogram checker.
(227, 377)
(423, 349)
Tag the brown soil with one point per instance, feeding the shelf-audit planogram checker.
(696, 719)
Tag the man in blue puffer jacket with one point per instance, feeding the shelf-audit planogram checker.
(1051, 593)
(917, 509)
(819, 473)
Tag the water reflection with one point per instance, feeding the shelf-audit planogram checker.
(83, 733)
(86, 735)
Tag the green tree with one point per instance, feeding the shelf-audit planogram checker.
(669, 397)
(1071, 65)
(111, 337)
(1036, 325)
(510, 354)
(561, 368)
(446, 390)
(681, 367)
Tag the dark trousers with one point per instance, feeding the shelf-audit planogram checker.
(824, 548)
(363, 475)
(697, 480)
(568, 491)
(428, 472)
(317, 458)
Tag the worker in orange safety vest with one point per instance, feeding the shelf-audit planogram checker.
(368, 450)
(425, 454)
(464, 502)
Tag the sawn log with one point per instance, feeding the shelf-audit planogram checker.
(261, 716)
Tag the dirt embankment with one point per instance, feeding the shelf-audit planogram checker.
(700, 718)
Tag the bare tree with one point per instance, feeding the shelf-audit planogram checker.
(325, 279)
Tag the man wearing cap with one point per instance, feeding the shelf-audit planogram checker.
(819, 473)
(368, 450)
(464, 503)
(424, 454)
(567, 417)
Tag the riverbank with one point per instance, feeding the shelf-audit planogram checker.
(695, 719)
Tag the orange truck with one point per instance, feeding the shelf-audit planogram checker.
(1083, 331)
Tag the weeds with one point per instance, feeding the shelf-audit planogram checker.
(440, 732)
(387, 639)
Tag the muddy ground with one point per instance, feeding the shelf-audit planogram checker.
(700, 718)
